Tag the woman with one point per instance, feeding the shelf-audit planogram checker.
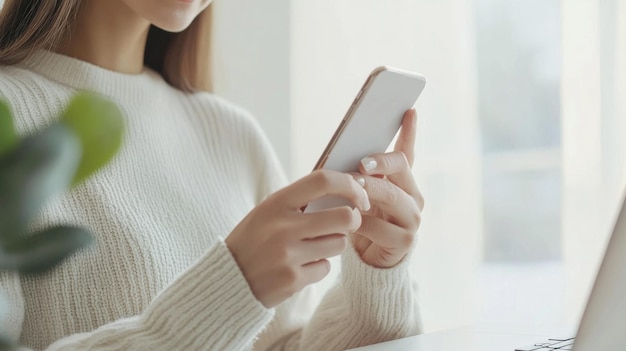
(175, 266)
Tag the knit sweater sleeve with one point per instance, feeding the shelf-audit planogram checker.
(366, 306)
(230, 317)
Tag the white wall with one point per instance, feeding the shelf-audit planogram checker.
(252, 64)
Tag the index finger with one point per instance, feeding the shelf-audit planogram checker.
(321, 183)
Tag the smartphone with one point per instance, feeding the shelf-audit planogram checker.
(370, 124)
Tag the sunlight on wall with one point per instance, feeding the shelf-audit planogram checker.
(251, 64)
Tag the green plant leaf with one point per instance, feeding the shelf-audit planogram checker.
(40, 166)
(43, 250)
(99, 126)
(8, 138)
(6, 344)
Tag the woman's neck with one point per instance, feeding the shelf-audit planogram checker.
(107, 34)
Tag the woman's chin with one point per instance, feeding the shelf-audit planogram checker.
(173, 26)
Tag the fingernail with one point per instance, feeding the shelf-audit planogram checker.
(369, 164)
(366, 204)
(360, 180)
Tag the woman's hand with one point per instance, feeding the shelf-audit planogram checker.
(388, 229)
(280, 250)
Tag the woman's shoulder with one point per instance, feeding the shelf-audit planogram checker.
(15, 78)
(245, 131)
(219, 106)
(12, 71)
(19, 84)
(227, 114)
(233, 125)
(33, 98)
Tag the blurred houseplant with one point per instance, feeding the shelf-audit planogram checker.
(39, 166)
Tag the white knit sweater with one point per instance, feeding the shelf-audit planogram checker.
(160, 276)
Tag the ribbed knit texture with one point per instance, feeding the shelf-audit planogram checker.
(160, 277)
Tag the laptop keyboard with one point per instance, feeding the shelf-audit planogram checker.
(550, 345)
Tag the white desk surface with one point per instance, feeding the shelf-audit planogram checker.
(481, 337)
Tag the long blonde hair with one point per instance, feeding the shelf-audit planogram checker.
(181, 58)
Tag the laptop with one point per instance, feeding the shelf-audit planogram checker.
(602, 328)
